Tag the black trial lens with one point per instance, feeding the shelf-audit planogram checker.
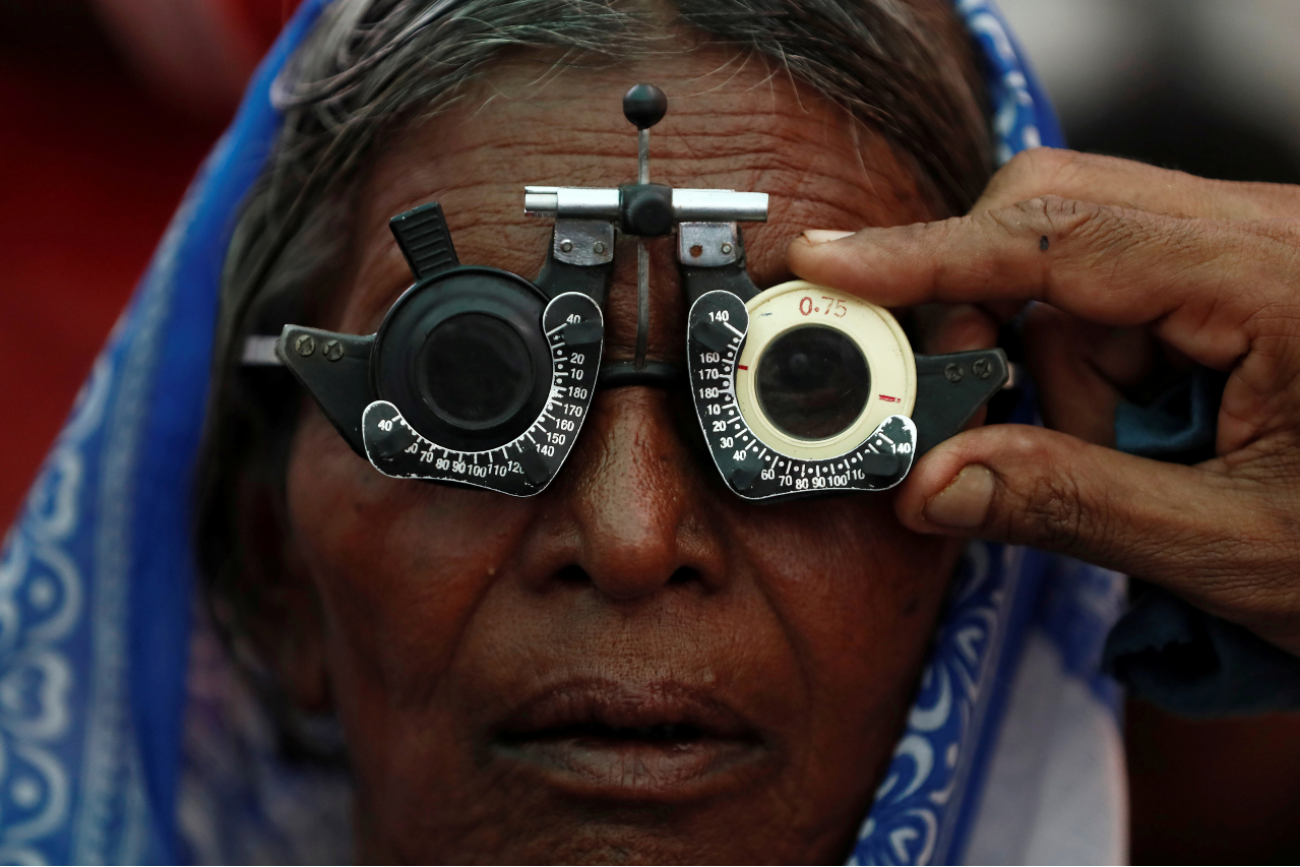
(813, 382)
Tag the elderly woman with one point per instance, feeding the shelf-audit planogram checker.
(636, 664)
(634, 659)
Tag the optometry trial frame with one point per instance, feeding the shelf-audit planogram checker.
(481, 377)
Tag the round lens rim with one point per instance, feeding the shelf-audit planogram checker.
(399, 344)
(876, 332)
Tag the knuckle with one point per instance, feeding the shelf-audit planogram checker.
(1053, 510)
(1104, 233)
(1020, 175)
(1057, 171)
(941, 230)
(1242, 565)
(1054, 216)
(1034, 171)
(913, 236)
(1050, 513)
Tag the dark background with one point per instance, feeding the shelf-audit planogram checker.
(107, 107)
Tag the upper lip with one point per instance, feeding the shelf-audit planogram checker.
(619, 709)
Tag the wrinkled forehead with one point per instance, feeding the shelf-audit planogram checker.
(734, 122)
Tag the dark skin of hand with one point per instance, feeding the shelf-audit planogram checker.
(1133, 265)
(1142, 271)
(442, 610)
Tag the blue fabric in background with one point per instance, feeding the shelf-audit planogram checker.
(1179, 425)
(161, 582)
(1165, 650)
(97, 574)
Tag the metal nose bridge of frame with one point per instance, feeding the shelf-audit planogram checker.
(482, 378)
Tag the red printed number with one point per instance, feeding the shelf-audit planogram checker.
(833, 306)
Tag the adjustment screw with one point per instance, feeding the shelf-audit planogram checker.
(982, 368)
(954, 372)
(333, 350)
(566, 246)
(726, 249)
(305, 345)
(600, 247)
(644, 105)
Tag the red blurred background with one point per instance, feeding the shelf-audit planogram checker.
(108, 107)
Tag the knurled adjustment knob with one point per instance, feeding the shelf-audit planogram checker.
(644, 105)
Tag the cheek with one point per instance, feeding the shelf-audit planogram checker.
(857, 593)
(856, 597)
(399, 566)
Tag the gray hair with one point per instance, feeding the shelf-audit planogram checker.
(904, 69)
(371, 66)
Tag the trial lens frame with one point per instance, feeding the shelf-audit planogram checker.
(479, 377)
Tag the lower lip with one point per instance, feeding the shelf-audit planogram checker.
(638, 770)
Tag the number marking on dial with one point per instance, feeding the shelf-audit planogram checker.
(527, 464)
(758, 470)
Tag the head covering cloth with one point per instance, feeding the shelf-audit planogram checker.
(97, 576)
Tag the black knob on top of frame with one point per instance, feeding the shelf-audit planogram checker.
(644, 105)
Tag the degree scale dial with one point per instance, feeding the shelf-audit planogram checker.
(754, 466)
(574, 328)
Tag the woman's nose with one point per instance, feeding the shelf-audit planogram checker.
(639, 515)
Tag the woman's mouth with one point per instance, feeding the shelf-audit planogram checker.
(664, 742)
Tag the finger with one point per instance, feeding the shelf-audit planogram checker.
(1174, 525)
(1082, 371)
(1128, 184)
(957, 328)
(1107, 265)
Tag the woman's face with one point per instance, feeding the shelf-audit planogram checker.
(635, 665)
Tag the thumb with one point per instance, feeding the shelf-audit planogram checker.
(1031, 486)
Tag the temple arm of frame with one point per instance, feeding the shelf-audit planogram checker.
(259, 351)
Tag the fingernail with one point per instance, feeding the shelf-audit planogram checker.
(823, 236)
(964, 504)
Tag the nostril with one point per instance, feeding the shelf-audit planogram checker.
(572, 574)
(685, 576)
